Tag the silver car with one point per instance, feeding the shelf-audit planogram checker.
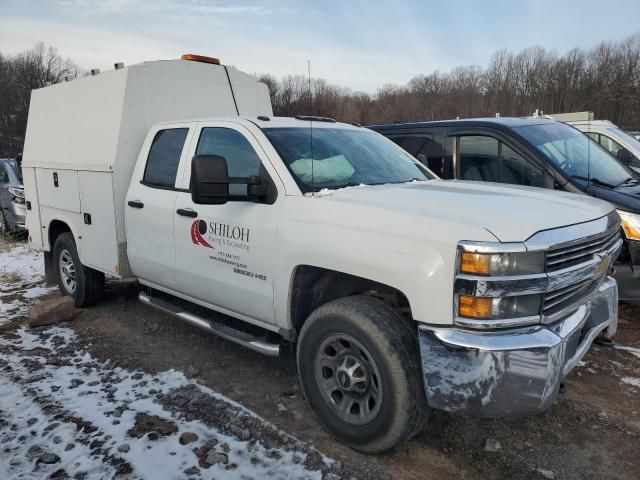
(13, 210)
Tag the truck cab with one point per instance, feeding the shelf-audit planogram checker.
(531, 152)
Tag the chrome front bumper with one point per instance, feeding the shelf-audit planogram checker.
(511, 372)
(16, 215)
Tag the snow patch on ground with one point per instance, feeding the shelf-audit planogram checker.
(633, 381)
(28, 263)
(44, 397)
(632, 350)
(21, 281)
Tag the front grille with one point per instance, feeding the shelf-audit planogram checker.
(564, 297)
(580, 252)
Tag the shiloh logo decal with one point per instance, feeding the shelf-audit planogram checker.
(199, 228)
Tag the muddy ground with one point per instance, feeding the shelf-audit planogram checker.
(592, 431)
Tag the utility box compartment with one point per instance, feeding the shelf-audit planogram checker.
(58, 188)
(84, 136)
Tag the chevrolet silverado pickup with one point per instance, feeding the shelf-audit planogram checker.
(401, 292)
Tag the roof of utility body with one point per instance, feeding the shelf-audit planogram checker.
(273, 122)
(593, 123)
(491, 122)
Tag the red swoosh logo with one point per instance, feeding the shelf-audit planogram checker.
(196, 237)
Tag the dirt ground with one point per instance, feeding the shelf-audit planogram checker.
(592, 431)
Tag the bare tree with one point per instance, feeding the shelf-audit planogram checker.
(605, 79)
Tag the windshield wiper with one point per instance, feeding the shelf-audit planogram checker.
(370, 184)
(337, 187)
(594, 180)
(628, 181)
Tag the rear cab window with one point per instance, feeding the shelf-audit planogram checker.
(431, 152)
(164, 158)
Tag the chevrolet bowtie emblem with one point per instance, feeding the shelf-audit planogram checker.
(602, 267)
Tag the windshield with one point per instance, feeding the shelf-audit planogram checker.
(13, 171)
(17, 170)
(576, 155)
(343, 158)
(625, 136)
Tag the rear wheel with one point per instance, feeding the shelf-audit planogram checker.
(84, 284)
(358, 363)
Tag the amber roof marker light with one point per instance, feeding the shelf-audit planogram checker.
(190, 57)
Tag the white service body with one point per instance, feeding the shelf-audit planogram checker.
(92, 146)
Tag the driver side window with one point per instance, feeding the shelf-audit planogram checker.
(4, 176)
(242, 159)
(485, 158)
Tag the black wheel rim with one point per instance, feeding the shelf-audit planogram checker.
(348, 379)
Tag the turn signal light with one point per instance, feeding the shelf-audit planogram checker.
(474, 307)
(475, 263)
(200, 58)
(630, 224)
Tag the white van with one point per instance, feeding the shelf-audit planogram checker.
(615, 140)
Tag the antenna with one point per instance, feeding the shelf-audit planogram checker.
(589, 154)
(311, 128)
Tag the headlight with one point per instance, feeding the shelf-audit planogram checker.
(17, 194)
(630, 224)
(502, 264)
(486, 308)
(488, 279)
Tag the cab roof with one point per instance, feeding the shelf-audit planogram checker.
(264, 122)
(593, 123)
(492, 122)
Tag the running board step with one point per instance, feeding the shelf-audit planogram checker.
(241, 338)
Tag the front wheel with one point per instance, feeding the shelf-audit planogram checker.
(4, 225)
(359, 368)
(84, 284)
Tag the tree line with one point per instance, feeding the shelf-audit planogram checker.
(604, 79)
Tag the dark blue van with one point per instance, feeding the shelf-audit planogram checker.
(534, 152)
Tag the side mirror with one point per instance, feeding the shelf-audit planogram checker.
(625, 156)
(210, 183)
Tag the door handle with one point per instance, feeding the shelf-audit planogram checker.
(187, 212)
(135, 203)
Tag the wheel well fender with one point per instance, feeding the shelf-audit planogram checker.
(57, 228)
(312, 287)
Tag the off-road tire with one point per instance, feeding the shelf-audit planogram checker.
(89, 287)
(392, 343)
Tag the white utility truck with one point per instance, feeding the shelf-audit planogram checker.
(403, 292)
(616, 141)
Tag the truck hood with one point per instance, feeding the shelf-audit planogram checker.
(511, 213)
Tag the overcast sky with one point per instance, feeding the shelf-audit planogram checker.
(357, 44)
